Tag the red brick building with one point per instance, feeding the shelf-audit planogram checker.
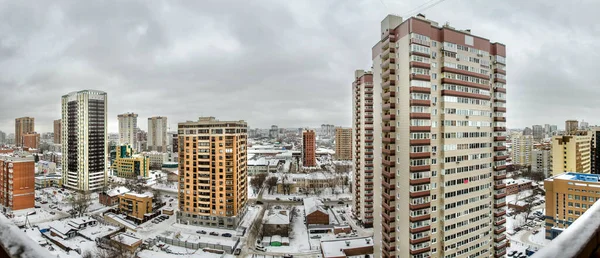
(309, 146)
(17, 182)
(314, 212)
(31, 140)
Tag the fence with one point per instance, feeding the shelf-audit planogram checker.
(197, 246)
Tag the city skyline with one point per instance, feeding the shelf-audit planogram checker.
(308, 84)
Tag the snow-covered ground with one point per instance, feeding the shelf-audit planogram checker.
(299, 236)
(180, 252)
(326, 193)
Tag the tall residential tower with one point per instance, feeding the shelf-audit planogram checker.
(128, 129)
(23, 125)
(309, 148)
(157, 134)
(343, 143)
(213, 171)
(84, 140)
(443, 148)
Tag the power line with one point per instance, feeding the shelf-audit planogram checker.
(423, 7)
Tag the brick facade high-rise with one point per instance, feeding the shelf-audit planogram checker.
(57, 129)
(443, 148)
(23, 125)
(343, 143)
(213, 172)
(17, 183)
(31, 140)
(309, 148)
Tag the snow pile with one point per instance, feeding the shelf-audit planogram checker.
(16, 242)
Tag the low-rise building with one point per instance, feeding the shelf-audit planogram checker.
(49, 180)
(156, 159)
(128, 165)
(111, 197)
(46, 167)
(315, 212)
(291, 183)
(341, 248)
(518, 185)
(277, 222)
(127, 241)
(137, 207)
(568, 196)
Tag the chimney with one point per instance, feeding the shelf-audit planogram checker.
(368, 240)
(347, 243)
(421, 15)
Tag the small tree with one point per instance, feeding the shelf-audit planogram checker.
(528, 206)
(271, 182)
(258, 181)
(80, 202)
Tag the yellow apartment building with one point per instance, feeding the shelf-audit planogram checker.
(571, 153)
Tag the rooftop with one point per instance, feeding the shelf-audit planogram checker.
(335, 248)
(578, 177)
(312, 204)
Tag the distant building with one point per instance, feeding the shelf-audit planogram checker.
(137, 207)
(17, 183)
(571, 126)
(31, 140)
(327, 130)
(274, 132)
(276, 222)
(2, 137)
(576, 193)
(343, 143)
(538, 132)
(517, 186)
(571, 153)
(156, 159)
(57, 131)
(157, 134)
(315, 212)
(23, 125)
(128, 129)
(46, 167)
(352, 247)
(521, 150)
(49, 180)
(84, 118)
(111, 197)
(527, 131)
(541, 160)
(309, 146)
(128, 165)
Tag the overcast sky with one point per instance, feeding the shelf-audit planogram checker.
(289, 63)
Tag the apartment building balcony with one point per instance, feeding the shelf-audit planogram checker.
(501, 245)
(498, 168)
(420, 193)
(420, 168)
(419, 64)
(498, 158)
(420, 229)
(499, 214)
(420, 155)
(420, 128)
(463, 72)
(388, 106)
(499, 205)
(420, 240)
(388, 140)
(416, 89)
(418, 142)
(389, 186)
(500, 148)
(387, 62)
(387, 207)
(499, 129)
(499, 186)
(465, 94)
(464, 83)
(499, 109)
(420, 77)
(499, 80)
(420, 54)
(390, 152)
(419, 181)
(500, 138)
(500, 119)
(500, 222)
(420, 218)
(500, 238)
(389, 218)
(498, 230)
(388, 94)
(420, 115)
(390, 117)
(500, 71)
(389, 163)
(419, 206)
(419, 102)
(369, 176)
(388, 129)
(498, 89)
(389, 72)
(388, 196)
(389, 237)
(385, 85)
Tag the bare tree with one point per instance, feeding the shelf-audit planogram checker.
(258, 181)
(114, 249)
(528, 206)
(271, 182)
(80, 202)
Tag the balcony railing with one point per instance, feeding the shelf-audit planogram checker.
(581, 239)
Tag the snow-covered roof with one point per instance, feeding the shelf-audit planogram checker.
(312, 204)
(335, 248)
(126, 239)
(258, 162)
(117, 191)
(61, 227)
(14, 241)
(142, 195)
(278, 217)
(81, 221)
(518, 181)
(579, 177)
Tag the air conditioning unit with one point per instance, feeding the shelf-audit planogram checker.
(467, 117)
(479, 127)
(457, 59)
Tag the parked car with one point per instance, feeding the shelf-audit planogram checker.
(37, 206)
(214, 234)
(226, 235)
(535, 231)
(278, 199)
(511, 254)
(288, 256)
(340, 202)
(52, 213)
(201, 232)
(44, 202)
(259, 202)
(237, 251)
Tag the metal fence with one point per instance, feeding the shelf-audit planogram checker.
(197, 246)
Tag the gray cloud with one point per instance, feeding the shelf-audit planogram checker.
(289, 63)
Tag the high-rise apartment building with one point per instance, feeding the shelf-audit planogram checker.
(23, 125)
(541, 160)
(521, 150)
(128, 129)
(571, 126)
(17, 183)
(213, 171)
(327, 130)
(443, 147)
(2, 137)
(84, 149)
(343, 143)
(57, 130)
(157, 134)
(568, 196)
(366, 126)
(274, 132)
(553, 129)
(129, 165)
(309, 148)
(594, 133)
(538, 132)
(571, 153)
(31, 140)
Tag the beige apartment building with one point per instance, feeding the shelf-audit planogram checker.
(157, 134)
(23, 125)
(541, 159)
(128, 129)
(366, 127)
(568, 196)
(522, 146)
(571, 153)
(212, 172)
(343, 143)
(443, 148)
